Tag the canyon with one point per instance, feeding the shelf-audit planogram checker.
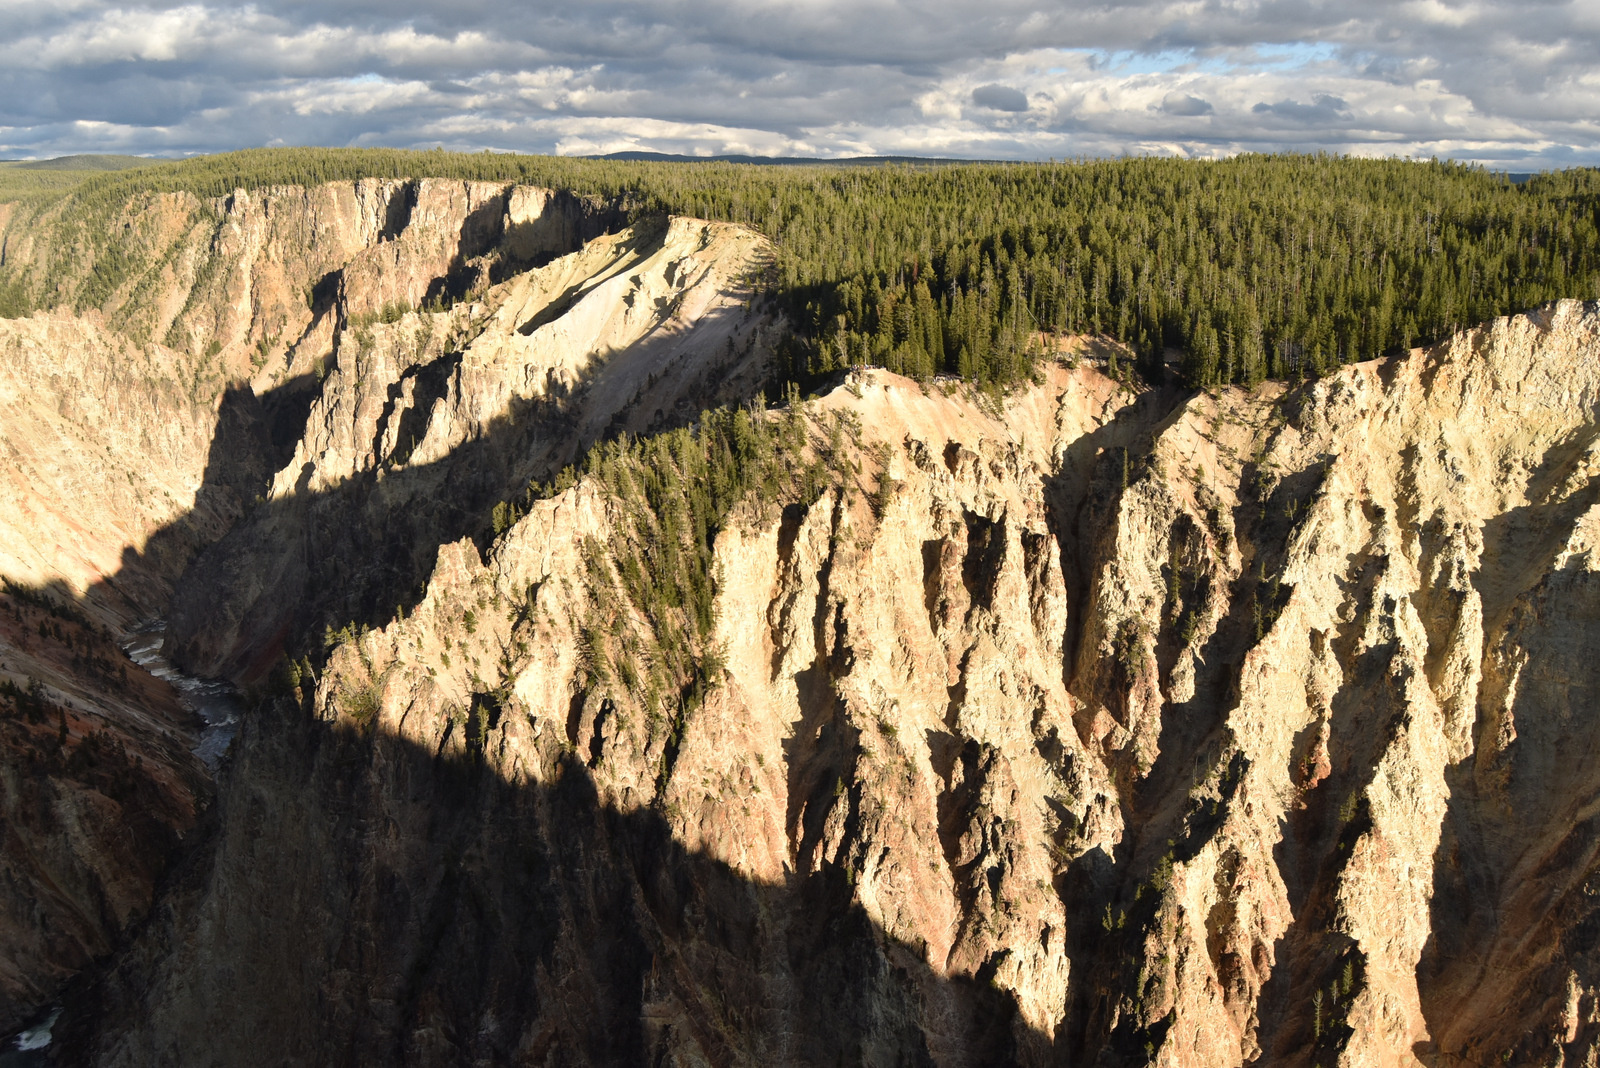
(1093, 722)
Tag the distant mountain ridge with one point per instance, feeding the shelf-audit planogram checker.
(92, 162)
(85, 162)
(791, 161)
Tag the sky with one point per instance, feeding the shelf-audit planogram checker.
(1513, 85)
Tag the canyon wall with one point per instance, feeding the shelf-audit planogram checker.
(293, 321)
(1092, 724)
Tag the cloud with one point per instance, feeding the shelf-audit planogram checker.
(1185, 105)
(999, 98)
(1322, 110)
(1507, 82)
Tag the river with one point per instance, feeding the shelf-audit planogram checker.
(216, 702)
(219, 707)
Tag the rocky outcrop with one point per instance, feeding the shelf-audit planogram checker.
(170, 376)
(1093, 726)
(253, 285)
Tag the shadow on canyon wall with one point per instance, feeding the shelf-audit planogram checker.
(255, 435)
(375, 903)
(1515, 930)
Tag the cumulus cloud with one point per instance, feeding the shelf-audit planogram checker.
(1324, 108)
(1183, 104)
(999, 98)
(1510, 83)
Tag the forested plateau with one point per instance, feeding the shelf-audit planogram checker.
(1254, 267)
(1096, 613)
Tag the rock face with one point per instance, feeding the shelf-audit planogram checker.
(303, 399)
(424, 424)
(1094, 725)
(160, 394)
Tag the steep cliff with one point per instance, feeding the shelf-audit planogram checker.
(1091, 726)
(423, 424)
(305, 402)
(162, 389)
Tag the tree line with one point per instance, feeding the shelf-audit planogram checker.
(1252, 267)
